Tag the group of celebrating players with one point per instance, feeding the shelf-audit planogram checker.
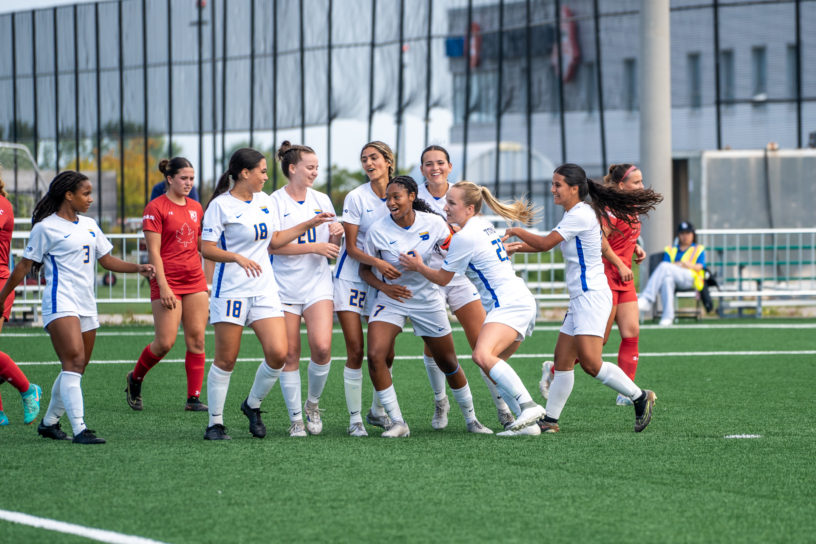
(403, 251)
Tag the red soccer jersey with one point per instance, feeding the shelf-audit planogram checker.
(623, 244)
(180, 229)
(6, 228)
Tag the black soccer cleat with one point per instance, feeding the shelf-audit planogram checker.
(194, 404)
(51, 431)
(134, 392)
(216, 432)
(256, 426)
(643, 409)
(88, 437)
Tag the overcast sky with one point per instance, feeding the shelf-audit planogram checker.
(26, 5)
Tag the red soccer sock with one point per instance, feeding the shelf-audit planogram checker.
(147, 360)
(194, 365)
(1, 404)
(628, 356)
(12, 373)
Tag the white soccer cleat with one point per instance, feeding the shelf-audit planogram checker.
(313, 422)
(532, 430)
(477, 428)
(546, 378)
(399, 429)
(528, 417)
(440, 417)
(357, 429)
(297, 430)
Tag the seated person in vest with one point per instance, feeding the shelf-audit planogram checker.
(682, 268)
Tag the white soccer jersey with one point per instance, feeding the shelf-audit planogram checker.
(244, 228)
(68, 252)
(362, 207)
(582, 250)
(386, 240)
(438, 204)
(477, 251)
(300, 276)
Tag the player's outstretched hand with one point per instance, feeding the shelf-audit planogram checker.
(410, 261)
(252, 268)
(387, 270)
(336, 229)
(147, 270)
(512, 247)
(320, 218)
(327, 249)
(397, 292)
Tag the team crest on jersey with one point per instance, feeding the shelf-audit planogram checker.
(318, 211)
(424, 235)
(264, 209)
(193, 215)
(92, 233)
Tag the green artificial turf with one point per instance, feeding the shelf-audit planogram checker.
(680, 480)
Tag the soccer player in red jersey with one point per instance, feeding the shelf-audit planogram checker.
(9, 371)
(172, 230)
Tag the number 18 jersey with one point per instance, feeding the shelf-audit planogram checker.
(244, 228)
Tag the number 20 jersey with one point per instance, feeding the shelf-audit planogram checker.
(244, 228)
(477, 251)
(68, 252)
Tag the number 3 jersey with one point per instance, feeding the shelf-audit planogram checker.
(386, 240)
(244, 228)
(477, 251)
(301, 277)
(68, 252)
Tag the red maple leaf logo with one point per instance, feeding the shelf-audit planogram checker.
(185, 235)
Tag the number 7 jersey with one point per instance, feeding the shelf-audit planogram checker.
(68, 252)
(477, 251)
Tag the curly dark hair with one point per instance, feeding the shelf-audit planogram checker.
(411, 186)
(625, 205)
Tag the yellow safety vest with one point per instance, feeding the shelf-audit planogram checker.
(690, 256)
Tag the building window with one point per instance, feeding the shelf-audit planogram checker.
(793, 71)
(590, 87)
(694, 77)
(727, 91)
(630, 94)
(760, 74)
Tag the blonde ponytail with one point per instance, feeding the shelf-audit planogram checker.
(520, 210)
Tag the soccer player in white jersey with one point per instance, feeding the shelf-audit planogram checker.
(239, 229)
(68, 245)
(361, 208)
(305, 283)
(412, 228)
(460, 294)
(582, 244)
(477, 251)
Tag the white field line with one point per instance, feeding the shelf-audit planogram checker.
(99, 535)
(540, 328)
(418, 357)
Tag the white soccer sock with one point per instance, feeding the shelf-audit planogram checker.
(612, 376)
(290, 387)
(436, 377)
(376, 405)
(388, 398)
(507, 379)
(560, 390)
(55, 406)
(495, 394)
(465, 401)
(71, 392)
(217, 384)
(353, 383)
(265, 378)
(318, 375)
